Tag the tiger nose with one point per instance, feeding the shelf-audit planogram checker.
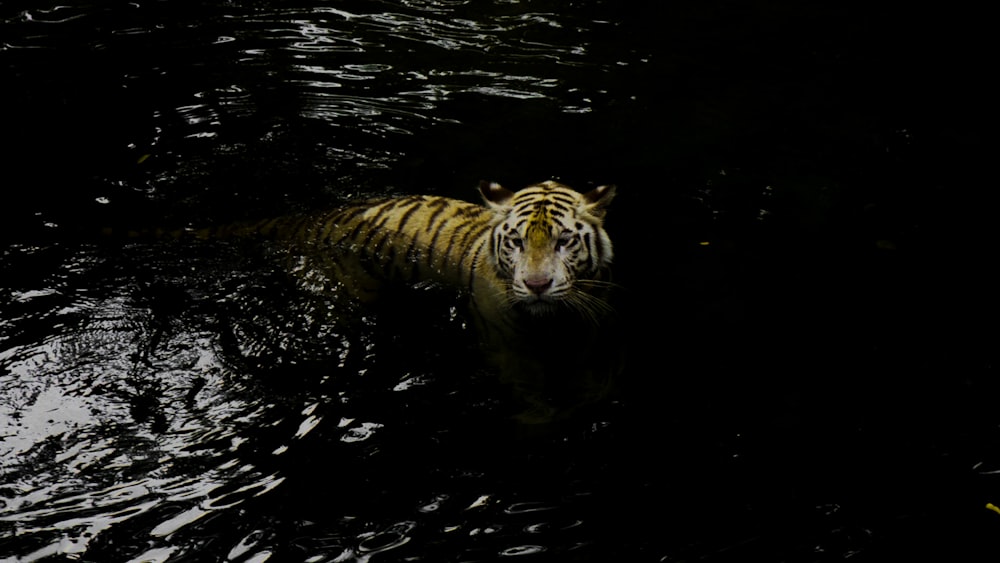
(538, 285)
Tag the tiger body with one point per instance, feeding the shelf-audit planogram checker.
(410, 239)
(534, 263)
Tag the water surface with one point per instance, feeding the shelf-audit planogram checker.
(796, 228)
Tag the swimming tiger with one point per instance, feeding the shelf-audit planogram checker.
(535, 265)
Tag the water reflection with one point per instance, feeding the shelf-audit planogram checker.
(97, 421)
(394, 59)
(144, 391)
(141, 412)
(164, 104)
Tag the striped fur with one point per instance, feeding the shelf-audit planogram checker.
(535, 264)
(533, 250)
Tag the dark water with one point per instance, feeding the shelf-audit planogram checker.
(801, 228)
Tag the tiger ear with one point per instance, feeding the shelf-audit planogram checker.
(598, 198)
(494, 194)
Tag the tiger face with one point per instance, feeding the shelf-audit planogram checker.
(549, 245)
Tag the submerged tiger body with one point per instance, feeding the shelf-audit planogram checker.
(534, 263)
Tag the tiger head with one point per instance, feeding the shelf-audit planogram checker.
(549, 245)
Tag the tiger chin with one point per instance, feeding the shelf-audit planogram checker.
(534, 263)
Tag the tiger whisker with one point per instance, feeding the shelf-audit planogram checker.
(590, 306)
(505, 296)
(597, 284)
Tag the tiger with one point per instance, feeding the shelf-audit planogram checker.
(534, 264)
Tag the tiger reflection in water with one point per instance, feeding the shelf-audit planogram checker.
(535, 264)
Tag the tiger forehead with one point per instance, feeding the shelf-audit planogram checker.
(539, 226)
(537, 219)
(541, 197)
(550, 206)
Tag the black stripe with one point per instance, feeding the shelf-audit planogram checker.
(378, 247)
(374, 229)
(389, 205)
(542, 198)
(592, 255)
(330, 221)
(431, 247)
(385, 215)
(532, 192)
(495, 248)
(439, 205)
(475, 262)
(470, 211)
(407, 215)
(412, 257)
(451, 243)
(350, 215)
(272, 226)
(473, 232)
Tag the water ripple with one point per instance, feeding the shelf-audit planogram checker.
(130, 412)
(331, 47)
(113, 420)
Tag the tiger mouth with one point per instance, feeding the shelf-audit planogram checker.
(539, 303)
